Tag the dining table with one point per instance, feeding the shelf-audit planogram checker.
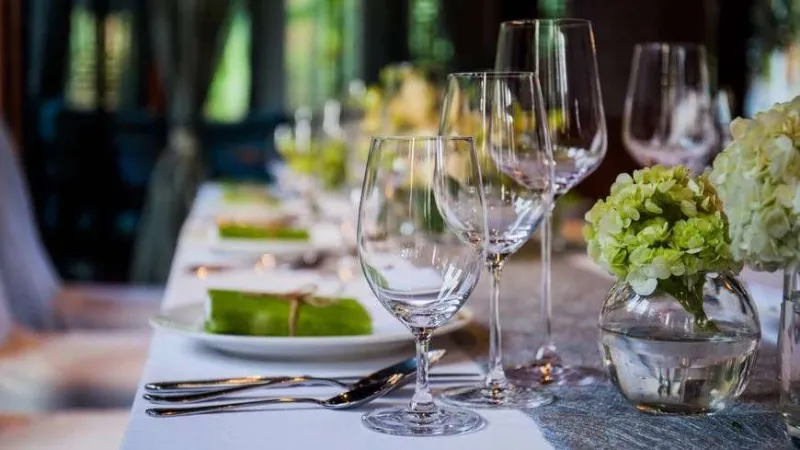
(588, 416)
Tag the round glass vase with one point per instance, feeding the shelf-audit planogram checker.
(686, 351)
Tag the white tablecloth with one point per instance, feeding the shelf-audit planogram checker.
(296, 428)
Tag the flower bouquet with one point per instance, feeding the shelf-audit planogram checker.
(679, 333)
(662, 230)
(758, 179)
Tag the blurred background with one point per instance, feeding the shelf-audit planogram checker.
(119, 109)
(92, 90)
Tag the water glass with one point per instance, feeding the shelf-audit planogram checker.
(789, 353)
(420, 219)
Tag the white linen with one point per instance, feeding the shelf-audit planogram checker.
(290, 427)
(299, 427)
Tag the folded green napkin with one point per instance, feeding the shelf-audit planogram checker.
(245, 193)
(274, 231)
(293, 314)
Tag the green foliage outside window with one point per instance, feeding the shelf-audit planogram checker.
(553, 8)
(229, 95)
(321, 53)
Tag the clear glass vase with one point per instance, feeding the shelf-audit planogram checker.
(689, 350)
(789, 353)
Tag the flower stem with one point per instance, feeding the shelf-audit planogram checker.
(688, 291)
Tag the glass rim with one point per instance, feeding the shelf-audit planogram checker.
(495, 74)
(567, 22)
(662, 45)
(411, 137)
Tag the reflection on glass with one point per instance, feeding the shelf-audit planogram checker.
(420, 220)
(668, 118)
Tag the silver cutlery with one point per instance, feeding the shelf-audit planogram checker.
(380, 376)
(358, 395)
(179, 387)
(348, 399)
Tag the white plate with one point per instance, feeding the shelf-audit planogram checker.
(388, 335)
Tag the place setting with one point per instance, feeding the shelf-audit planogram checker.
(308, 301)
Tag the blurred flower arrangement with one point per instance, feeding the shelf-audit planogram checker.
(405, 102)
(758, 179)
(321, 155)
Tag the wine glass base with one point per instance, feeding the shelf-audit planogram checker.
(443, 421)
(540, 374)
(497, 397)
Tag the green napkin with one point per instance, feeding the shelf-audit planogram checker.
(296, 314)
(234, 230)
(247, 193)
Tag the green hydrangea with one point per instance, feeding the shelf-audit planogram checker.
(661, 230)
(758, 179)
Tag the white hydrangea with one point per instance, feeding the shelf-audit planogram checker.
(758, 179)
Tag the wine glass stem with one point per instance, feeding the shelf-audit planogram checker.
(422, 401)
(547, 254)
(496, 377)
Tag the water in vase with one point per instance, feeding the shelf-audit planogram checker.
(667, 372)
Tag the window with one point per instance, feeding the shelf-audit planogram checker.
(553, 8)
(229, 95)
(322, 38)
(426, 41)
(81, 88)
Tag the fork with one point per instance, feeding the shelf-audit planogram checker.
(167, 396)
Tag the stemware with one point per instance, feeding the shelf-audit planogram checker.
(420, 215)
(723, 116)
(668, 118)
(504, 111)
(562, 53)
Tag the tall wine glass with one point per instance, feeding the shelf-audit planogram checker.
(562, 53)
(668, 116)
(420, 216)
(504, 111)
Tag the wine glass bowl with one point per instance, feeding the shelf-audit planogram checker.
(668, 117)
(421, 212)
(503, 110)
(562, 53)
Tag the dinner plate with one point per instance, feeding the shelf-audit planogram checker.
(388, 335)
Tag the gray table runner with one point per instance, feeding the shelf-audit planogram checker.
(597, 416)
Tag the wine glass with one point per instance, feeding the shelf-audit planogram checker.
(503, 110)
(562, 53)
(668, 117)
(723, 117)
(420, 217)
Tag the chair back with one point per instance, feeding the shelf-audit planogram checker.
(26, 273)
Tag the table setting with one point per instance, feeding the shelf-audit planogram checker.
(369, 312)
